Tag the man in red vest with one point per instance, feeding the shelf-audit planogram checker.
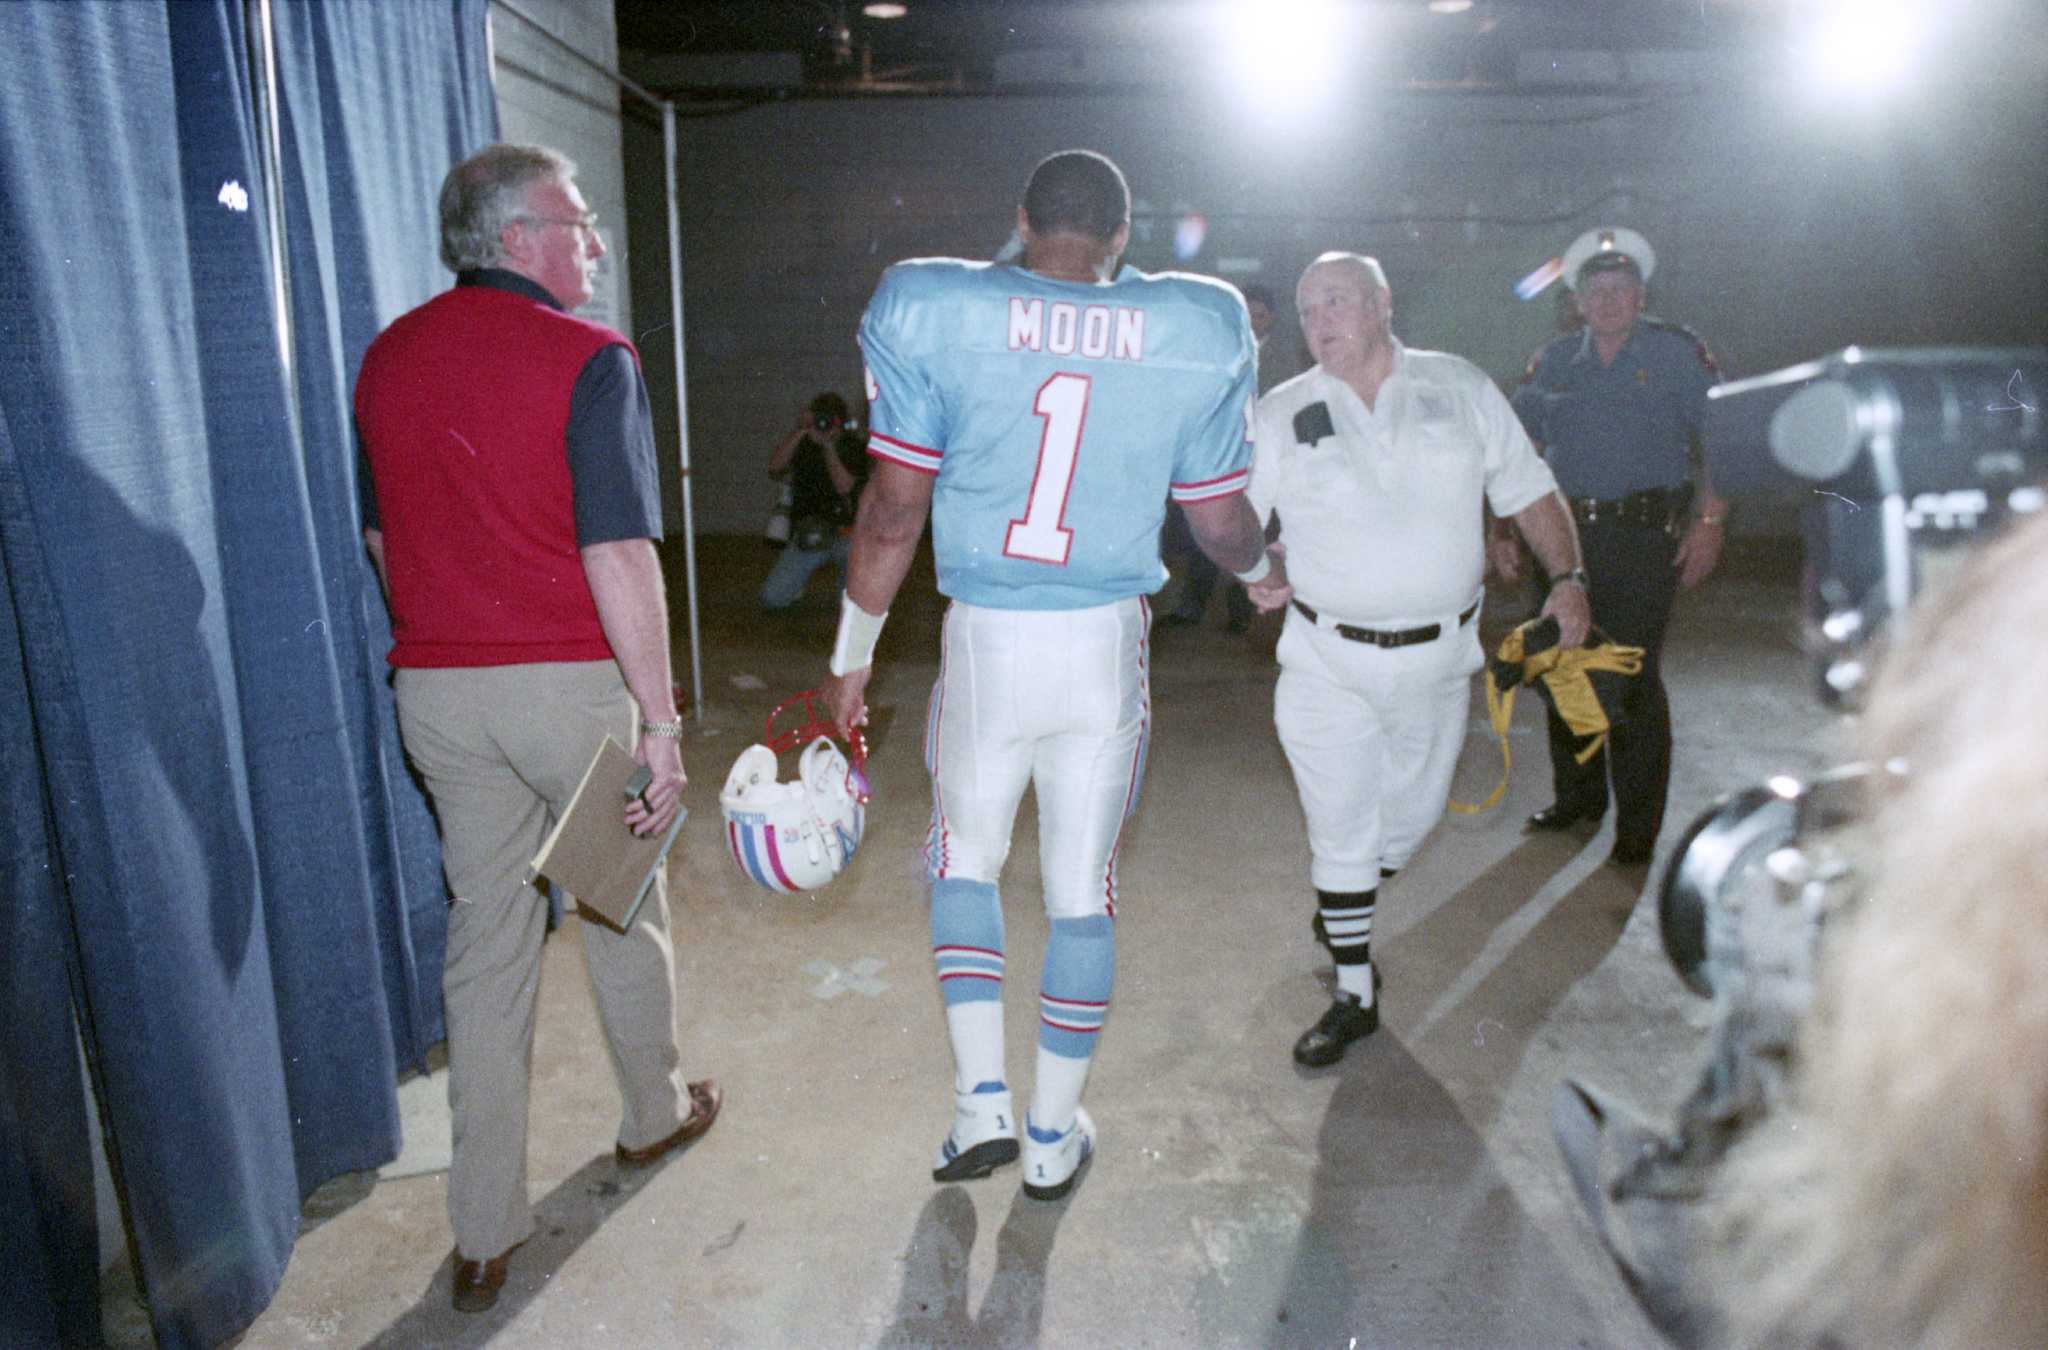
(511, 509)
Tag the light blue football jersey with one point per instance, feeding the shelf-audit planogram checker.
(1058, 417)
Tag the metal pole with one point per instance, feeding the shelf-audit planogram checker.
(669, 156)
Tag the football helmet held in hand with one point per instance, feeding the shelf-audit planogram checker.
(796, 836)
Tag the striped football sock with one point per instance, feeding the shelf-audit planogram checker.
(1073, 1003)
(967, 949)
(1346, 918)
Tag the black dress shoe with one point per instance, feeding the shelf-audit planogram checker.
(1630, 854)
(1346, 1021)
(1564, 816)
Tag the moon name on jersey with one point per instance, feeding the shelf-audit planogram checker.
(1113, 332)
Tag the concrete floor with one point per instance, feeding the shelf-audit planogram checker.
(1410, 1196)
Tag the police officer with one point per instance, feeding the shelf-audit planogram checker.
(1616, 408)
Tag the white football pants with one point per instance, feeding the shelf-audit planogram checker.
(1373, 736)
(1058, 699)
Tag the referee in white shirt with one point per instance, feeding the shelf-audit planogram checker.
(1378, 459)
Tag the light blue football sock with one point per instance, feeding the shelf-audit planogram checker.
(967, 949)
(1073, 1004)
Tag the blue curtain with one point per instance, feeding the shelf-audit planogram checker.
(213, 852)
(48, 1244)
(375, 103)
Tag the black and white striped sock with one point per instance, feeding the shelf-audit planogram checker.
(1345, 922)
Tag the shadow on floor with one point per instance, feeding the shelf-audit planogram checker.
(1478, 1037)
(563, 1221)
(1413, 1236)
(932, 1307)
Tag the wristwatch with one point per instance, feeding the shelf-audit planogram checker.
(667, 730)
(1577, 574)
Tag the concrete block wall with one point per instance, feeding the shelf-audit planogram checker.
(548, 97)
(1778, 238)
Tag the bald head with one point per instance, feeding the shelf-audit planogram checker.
(1346, 311)
(1362, 270)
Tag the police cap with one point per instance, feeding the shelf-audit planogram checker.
(1608, 249)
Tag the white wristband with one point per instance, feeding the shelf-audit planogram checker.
(1256, 573)
(858, 632)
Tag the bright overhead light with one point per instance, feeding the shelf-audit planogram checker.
(1285, 55)
(1449, 6)
(1867, 44)
(884, 9)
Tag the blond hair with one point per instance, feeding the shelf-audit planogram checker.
(1900, 1197)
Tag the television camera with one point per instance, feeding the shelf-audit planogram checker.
(1900, 461)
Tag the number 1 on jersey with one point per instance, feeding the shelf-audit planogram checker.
(1063, 402)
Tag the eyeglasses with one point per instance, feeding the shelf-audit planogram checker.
(586, 221)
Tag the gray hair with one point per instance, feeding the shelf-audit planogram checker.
(1375, 275)
(484, 193)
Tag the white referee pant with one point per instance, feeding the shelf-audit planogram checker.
(1373, 735)
(1057, 699)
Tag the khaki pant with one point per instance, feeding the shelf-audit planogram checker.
(501, 749)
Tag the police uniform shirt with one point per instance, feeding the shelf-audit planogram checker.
(1381, 515)
(1610, 430)
(1058, 416)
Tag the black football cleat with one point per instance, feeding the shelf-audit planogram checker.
(1347, 1020)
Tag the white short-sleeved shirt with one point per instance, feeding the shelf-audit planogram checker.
(1381, 517)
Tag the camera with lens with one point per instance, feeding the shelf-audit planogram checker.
(1901, 458)
(1901, 461)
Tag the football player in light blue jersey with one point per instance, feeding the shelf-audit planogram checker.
(1041, 414)
(993, 377)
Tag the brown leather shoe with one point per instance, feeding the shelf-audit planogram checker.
(705, 1099)
(477, 1282)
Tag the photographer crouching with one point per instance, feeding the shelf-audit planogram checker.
(825, 460)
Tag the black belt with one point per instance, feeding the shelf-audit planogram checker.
(1400, 637)
(1654, 507)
